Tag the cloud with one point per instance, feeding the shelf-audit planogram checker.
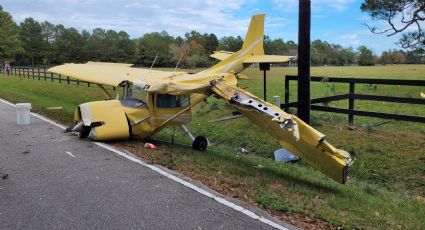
(349, 40)
(221, 17)
(137, 17)
(317, 5)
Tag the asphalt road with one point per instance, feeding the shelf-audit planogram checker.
(56, 181)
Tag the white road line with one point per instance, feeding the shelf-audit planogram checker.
(172, 177)
(6, 102)
(69, 153)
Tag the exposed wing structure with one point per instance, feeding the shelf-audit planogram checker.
(112, 73)
(291, 132)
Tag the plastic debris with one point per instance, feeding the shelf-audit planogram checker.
(150, 146)
(242, 151)
(284, 156)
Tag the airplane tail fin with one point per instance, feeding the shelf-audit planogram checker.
(255, 35)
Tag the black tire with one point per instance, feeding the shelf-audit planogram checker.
(200, 143)
(84, 133)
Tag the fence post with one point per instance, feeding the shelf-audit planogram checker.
(351, 104)
(60, 79)
(67, 79)
(45, 78)
(286, 93)
(51, 76)
(38, 72)
(28, 72)
(78, 82)
(88, 84)
(32, 70)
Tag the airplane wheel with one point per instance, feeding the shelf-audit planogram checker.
(200, 143)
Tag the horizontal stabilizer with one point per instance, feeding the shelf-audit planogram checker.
(221, 55)
(267, 59)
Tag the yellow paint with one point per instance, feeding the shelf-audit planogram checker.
(111, 114)
(221, 80)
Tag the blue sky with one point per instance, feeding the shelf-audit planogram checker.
(335, 21)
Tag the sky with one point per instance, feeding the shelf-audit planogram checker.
(336, 21)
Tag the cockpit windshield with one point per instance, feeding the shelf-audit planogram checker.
(134, 97)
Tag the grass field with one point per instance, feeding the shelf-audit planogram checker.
(386, 188)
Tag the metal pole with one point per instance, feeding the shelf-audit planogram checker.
(264, 67)
(304, 24)
(265, 84)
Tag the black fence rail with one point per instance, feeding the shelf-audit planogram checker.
(41, 73)
(352, 97)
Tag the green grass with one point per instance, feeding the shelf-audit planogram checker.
(386, 188)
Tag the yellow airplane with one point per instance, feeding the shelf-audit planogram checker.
(170, 96)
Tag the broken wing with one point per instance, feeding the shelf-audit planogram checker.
(290, 131)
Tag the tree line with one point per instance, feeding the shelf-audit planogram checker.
(43, 43)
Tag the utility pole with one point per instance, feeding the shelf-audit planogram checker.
(304, 24)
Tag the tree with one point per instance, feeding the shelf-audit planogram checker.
(401, 16)
(10, 44)
(415, 57)
(346, 56)
(68, 45)
(393, 57)
(126, 48)
(211, 43)
(365, 57)
(32, 40)
(152, 44)
(191, 54)
(48, 34)
(230, 43)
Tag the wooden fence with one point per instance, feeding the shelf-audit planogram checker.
(352, 97)
(41, 73)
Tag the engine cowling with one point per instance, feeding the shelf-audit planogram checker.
(106, 120)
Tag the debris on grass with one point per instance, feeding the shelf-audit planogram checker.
(284, 156)
(242, 151)
(150, 146)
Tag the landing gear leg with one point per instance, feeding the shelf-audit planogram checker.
(199, 143)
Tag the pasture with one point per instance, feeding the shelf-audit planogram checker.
(387, 180)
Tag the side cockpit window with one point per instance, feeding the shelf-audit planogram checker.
(172, 101)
